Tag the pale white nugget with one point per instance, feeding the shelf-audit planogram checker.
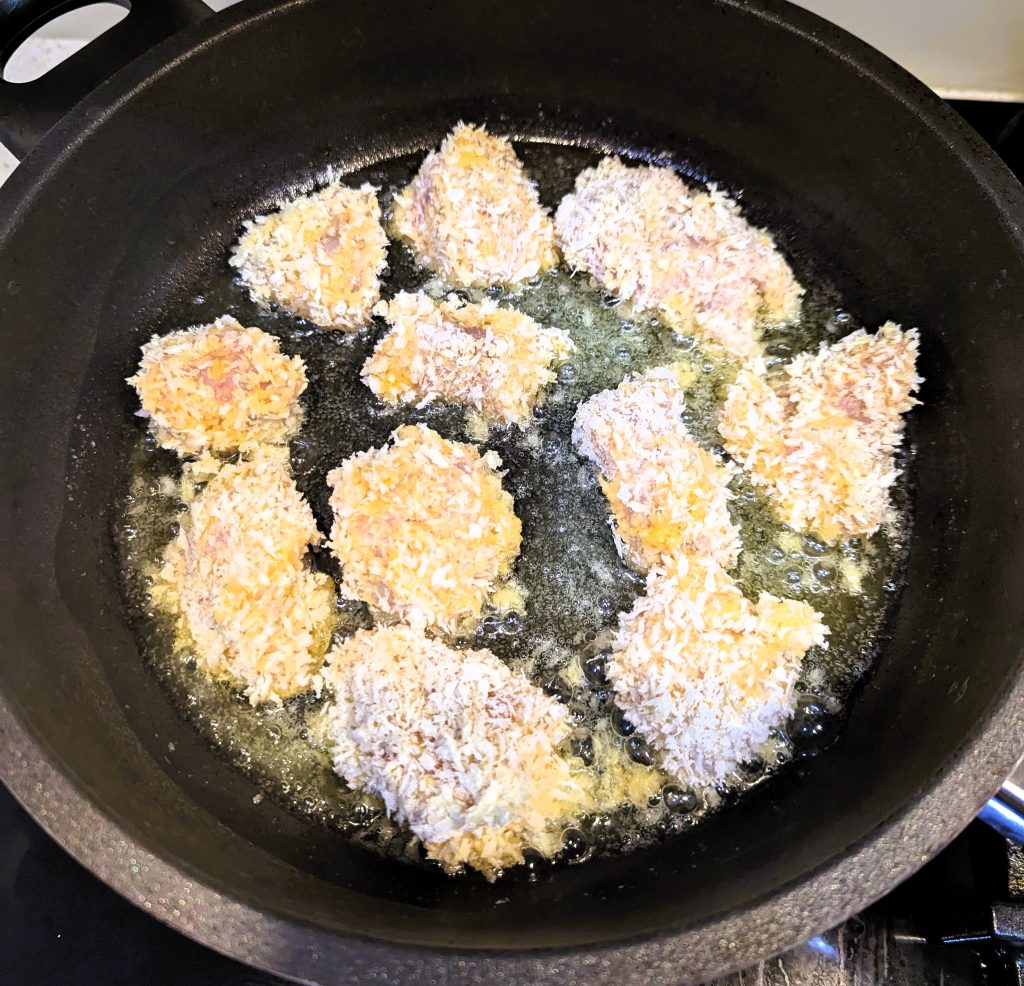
(643, 234)
(703, 673)
(460, 749)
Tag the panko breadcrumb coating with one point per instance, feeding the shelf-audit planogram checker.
(460, 749)
(689, 256)
(236, 577)
(821, 441)
(320, 256)
(219, 388)
(423, 528)
(494, 360)
(473, 216)
(667, 494)
(703, 673)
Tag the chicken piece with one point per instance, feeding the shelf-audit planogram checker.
(688, 256)
(494, 360)
(320, 256)
(871, 378)
(460, 749)
(473, 216)
(703, 673)
(237, 578)
(821, 441)
(667, 494)
(219, 388)
(423, 528)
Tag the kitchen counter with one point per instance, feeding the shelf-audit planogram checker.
(34, 55)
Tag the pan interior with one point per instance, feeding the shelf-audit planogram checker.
(574, 582)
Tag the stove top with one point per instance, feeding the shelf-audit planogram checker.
(960, 920)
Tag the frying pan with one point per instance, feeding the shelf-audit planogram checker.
(139, 185)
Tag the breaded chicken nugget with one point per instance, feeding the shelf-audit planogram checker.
(667, 494)
(219, 388)
(703, 673)
(320, 256)
(423, 528)
(689, 256)
(473, 216)
(821, 441)
(237, 577)
(494, 360)
(460, 749)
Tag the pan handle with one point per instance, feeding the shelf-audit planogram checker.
(29, 109)
(1005, 810)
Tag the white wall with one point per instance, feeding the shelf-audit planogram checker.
(960, 47)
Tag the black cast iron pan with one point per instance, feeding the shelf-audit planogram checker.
(143, 181)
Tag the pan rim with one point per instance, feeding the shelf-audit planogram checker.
(898, 847)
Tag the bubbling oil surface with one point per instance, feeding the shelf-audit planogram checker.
(574, 582)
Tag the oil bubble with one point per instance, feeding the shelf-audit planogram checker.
(622, 725)
(534, 863)
(574, 844)
(679, 800)
(595, 670)
(639, 752)
(583, 747)
(559, 688)
(812, 727)
(812, 546)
